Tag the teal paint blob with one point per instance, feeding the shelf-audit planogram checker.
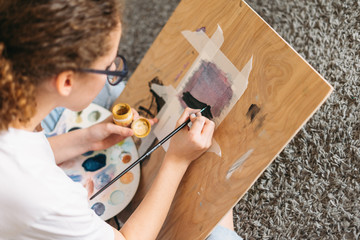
(88, 153)
(94, 163)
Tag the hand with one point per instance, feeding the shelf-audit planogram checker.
(106, 134)
(189, 143)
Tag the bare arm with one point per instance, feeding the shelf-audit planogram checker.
(97, 137)
(185, 146)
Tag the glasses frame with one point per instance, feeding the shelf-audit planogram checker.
(121, 74)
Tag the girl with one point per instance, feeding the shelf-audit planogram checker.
(48, 51)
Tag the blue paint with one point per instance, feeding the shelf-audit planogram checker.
(105, 176)
(88, 153)
(98, 208)
(75, 178)
(94, 163)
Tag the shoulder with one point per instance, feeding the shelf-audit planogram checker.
(37, 199)
(48, 206)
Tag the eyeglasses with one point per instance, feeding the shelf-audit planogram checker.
(114, 77)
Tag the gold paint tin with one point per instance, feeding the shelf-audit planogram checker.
(122, 114)
(141, 127)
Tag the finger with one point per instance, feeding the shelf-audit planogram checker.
(185, 115)
(108, 119)
(122, 131)
(135, 114)
(197, 125)
(208, 129)
(194, 115)
(152, 121)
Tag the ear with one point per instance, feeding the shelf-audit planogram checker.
(64, 82)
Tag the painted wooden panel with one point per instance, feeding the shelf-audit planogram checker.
(282, 94)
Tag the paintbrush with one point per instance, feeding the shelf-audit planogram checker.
(145, 155)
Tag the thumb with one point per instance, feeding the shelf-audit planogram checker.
(123, 131)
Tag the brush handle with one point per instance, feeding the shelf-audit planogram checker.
(144, 156)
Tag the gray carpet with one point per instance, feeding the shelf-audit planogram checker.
(312, 190)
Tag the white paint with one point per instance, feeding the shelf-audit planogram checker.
(215, 148)
(238, 163)
(262, 133)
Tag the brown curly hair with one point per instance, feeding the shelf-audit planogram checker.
(40, 39)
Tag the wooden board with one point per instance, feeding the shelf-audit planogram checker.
(282, 94)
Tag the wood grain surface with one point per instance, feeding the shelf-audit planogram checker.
(282, 94)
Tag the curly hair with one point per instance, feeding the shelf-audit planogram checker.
(40, 39)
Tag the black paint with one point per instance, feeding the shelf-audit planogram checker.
(192, 102)
(156, 101)
(74, 128)
(252, 112)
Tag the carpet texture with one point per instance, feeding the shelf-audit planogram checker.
(312, 189)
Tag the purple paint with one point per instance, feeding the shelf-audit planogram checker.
(99, 208)
(105, 176)
(209, 85)
(179, 74)
(201, 29)
(94, 163)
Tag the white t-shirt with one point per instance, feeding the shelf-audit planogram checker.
(37, 199)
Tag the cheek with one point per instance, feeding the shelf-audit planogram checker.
(97, 83)
(102, 82)
(91, 87)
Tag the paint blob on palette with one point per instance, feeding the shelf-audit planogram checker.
(95, 169)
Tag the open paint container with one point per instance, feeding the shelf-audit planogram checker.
(123, 116)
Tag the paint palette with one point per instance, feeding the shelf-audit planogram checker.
(96, 168)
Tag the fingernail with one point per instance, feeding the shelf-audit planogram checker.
(193, 115)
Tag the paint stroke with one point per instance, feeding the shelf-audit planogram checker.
(99, 208)
(78, 118)
(74, 128)
(252, 112)
(215, 148)
(238, 163)
(94, 163)
(105, 176)
(75, 178)
(209, 85)
(193, 103)
(201, 29)
(89, 186)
